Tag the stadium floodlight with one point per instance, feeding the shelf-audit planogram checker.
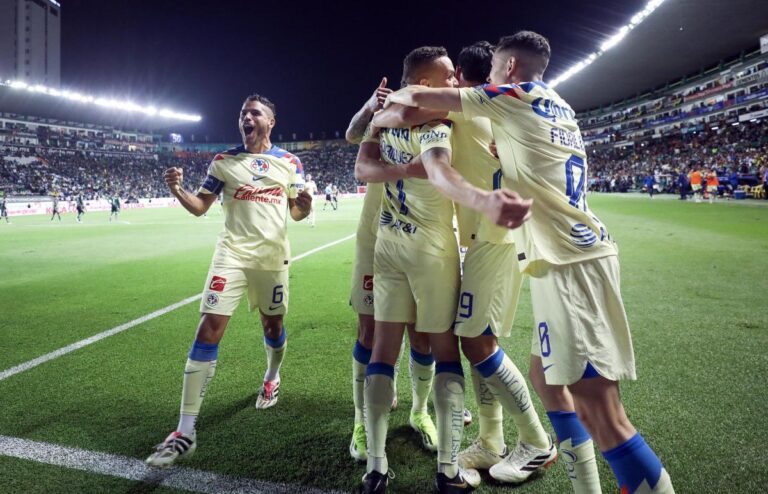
(609, 43)
(124, 105)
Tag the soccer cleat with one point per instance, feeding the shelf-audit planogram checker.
(464, 481)
(522, 462)
(478, 456)
(376, 483)
(268, 394)
(393, 406)
(467, 417)
(357, 447)
(175, 447)
(422, 423)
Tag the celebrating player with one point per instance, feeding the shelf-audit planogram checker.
(259, 183)
(422, 364)
(416, 275)
(581, 343)
(490, 289)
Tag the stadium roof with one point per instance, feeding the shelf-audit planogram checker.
(678, 39)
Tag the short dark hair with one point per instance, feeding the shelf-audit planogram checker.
(475, 61)
(263, 100)
(418, 58)
(532, 48)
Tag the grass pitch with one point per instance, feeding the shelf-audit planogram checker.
(694, 285)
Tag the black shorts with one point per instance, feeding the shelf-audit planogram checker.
(115, 210)
(80, 210)
(327, 197)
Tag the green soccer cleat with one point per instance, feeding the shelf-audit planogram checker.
(357, 447)
(422, 423)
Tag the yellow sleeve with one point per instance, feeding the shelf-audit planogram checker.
(295, 183)
(489, 100)
(435, 134)
(214, 181)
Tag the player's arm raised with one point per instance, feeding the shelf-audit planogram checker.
(196, 204)
(398, 116)
(370, 168)
(359, 122)
(445, 99)
(503, 207)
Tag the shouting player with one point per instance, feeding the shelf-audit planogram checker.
(258, 181)
(490, 290)
(362, 301)
(581, 343)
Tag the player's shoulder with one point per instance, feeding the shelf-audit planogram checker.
(229, 153)
(436, 124)
(281, 153)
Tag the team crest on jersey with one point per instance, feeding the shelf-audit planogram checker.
(260, 166)
(368, 300)
(212, 300)
(217, 284)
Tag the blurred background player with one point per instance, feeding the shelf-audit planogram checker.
(335, 196)
(114, 203)
(56, 207)
(416, 273)
(490, 290)
(80, 204)
(329, 197)
(311, 187)
(649, 182)
(695, 180)
(252, 256)
(421, 363)
(581, 346)
(4, 208)
(713, 184)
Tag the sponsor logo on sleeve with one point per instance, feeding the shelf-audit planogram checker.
(367, 282)
(217, 284)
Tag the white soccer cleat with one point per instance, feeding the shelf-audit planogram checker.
(522, 462)
(422, 423)
(480, 457)
(268, 394)
(175, 447)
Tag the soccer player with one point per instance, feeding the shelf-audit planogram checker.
(258, 181)
(713, 184)
(80, 207)
(311, 187)
(335, 196)
(422, 364)
(56, 207)
(4, 209)
(417, 277)
(695, 179)
(114, 202)
(649, 181)
(329, 197)
(489, 293)
(581, 344)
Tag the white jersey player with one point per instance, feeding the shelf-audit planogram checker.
(259, 184)
(311, 187)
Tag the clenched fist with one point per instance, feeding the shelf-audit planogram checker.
(173, 178)
(304, 202)
(506, 208)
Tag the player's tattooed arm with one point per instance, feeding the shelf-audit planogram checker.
(359, 122)
(196, 204)
(399, 116)
(369, 166)
(446, 99)
(504, 207)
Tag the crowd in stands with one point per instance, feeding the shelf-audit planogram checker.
(742, 149)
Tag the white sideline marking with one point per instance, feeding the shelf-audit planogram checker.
(119, 329)
(187, 479)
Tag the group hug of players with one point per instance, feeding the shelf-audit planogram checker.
(508, 160)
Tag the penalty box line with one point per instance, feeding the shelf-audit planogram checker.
(30, 364)
(188, 479)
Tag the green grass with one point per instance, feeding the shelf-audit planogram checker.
(694, 284)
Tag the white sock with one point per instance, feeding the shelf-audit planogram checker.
(378, 399)
(449, 411)
(490, 412)
(422, 371)
(197, 376)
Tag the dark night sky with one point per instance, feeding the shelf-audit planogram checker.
(317, 61)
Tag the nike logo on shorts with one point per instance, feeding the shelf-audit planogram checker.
(275, 307)
(547, 367)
